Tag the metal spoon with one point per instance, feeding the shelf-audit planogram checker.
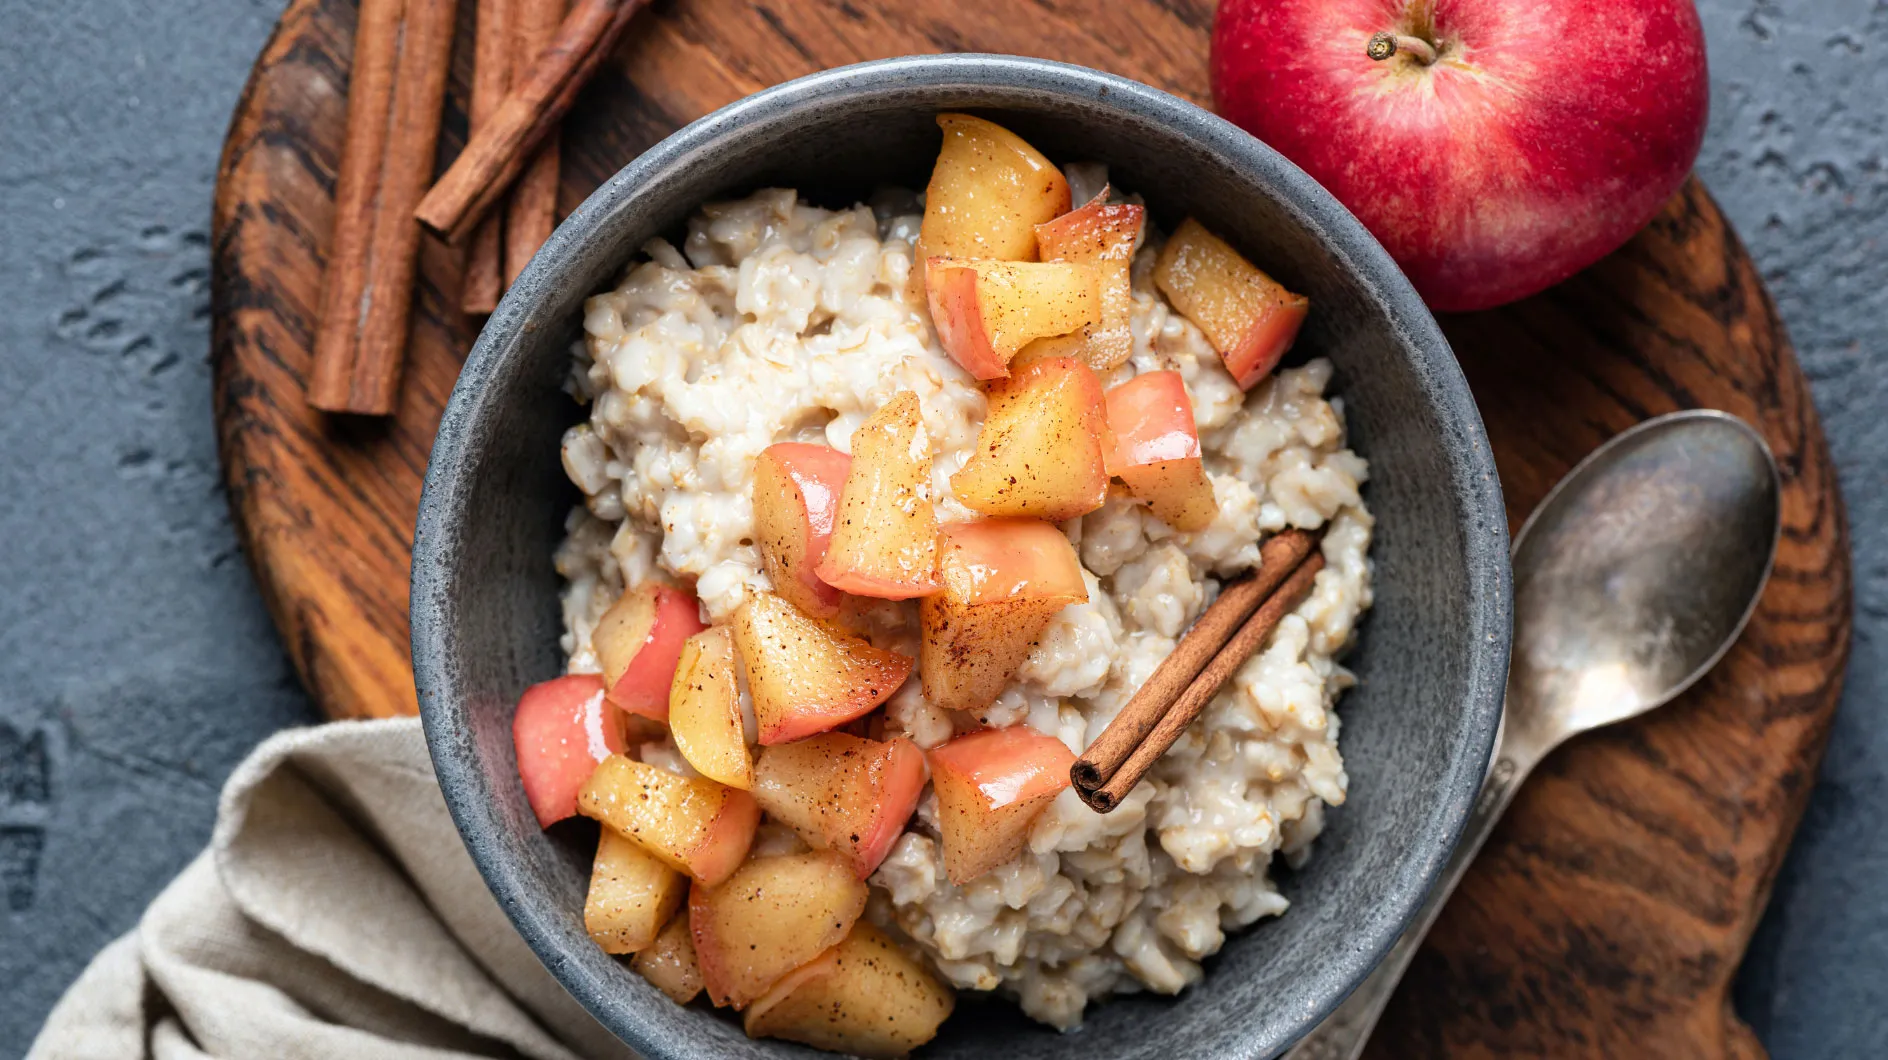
(1631, 580)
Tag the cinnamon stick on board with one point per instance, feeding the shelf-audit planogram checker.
(1278, 557)
(1251, 636)
(532, 212)
(492, 60)
(492, 159)
(402, 51)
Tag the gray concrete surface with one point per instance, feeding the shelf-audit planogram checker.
(137, 665)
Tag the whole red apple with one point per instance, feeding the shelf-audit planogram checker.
(1494, 147)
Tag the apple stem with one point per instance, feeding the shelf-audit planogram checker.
(1384, 45)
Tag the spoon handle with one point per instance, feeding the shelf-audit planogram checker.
(1343, 1033)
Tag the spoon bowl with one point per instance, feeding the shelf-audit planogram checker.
(1637, 572)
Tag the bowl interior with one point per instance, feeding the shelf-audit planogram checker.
(1432, 654)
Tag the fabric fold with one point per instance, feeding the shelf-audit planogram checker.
(335, 914)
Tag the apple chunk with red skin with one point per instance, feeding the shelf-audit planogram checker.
(988, 191)
(1101, 234)
(561, 730)
(1250, 318)
(772, 916)
(1041, 450)
(637, 641)
(693, 824)
(807, 677)
(985, 311)
(842, 793)
(990, 786)
(1494, 147)
(796, 496)
(883, 542)
(1157, 449)
(864, 997)
(1004, 580)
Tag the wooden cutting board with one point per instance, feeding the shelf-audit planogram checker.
(1610, 911)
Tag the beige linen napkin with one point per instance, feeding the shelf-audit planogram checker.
(336, 914)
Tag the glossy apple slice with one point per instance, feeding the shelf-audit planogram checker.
(985, 311)
(669, 962)
(772, 916)
(693, 824)
(864, 997)
(1103, 235)
(638, 639)
(1156, 449)
(990, 786)
(807, 677)
(1041, 451)
(842, 793)
(796, 495)
(705, 710)
(1250, 318)
(632, 894)
(562, 728)
(884, 535)
(988, 191)
(1004, 580)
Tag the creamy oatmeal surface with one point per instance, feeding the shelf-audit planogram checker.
(778, 321)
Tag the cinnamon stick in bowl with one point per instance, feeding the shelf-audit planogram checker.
(1278, 557)
(1208, 655)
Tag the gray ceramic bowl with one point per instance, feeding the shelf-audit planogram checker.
(1432, 656)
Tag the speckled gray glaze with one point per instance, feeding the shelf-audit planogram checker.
(1432, 656)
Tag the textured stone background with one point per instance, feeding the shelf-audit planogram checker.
(137, 665)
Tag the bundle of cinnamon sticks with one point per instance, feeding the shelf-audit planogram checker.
(1237, 625)
(530, 60)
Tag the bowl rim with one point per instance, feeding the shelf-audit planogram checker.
(1481, 513)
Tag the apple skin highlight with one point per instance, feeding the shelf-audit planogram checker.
(1541, 137)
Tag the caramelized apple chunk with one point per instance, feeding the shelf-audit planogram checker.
(988, 191)
(669, 962)
(864, 997)
(1103, 235)
(772, 916)
(632, 894)
(1004, 580)
(705, 710)
(796, 494)
(1250, 318)
(842, 793)
(1040, 453)
(884, 535)
(638, 639)
(561, 730)
(1156, 449)
(990, 786)
(985, 311)
(693, 824)
(806, 677)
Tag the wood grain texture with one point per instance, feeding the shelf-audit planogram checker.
(1609, 912)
